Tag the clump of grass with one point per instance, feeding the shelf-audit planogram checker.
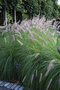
(8, 56)
(41, 68)
(31, 57)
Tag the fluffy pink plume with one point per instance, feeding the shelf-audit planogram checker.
(26, 25)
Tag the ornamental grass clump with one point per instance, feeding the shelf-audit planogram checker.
(41, 67)
(31, 57)
(12, 52)
(9, 49)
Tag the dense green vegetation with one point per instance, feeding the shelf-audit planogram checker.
(29, 8)
(32, 58)
(30, 55)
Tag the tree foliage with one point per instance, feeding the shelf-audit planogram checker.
(47, 8)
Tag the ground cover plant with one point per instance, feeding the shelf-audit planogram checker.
(32, 58)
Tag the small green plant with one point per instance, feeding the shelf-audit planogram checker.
(10, 19)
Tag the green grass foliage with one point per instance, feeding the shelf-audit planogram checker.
(31, 57)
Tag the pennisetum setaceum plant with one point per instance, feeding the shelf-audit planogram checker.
(31, 57)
